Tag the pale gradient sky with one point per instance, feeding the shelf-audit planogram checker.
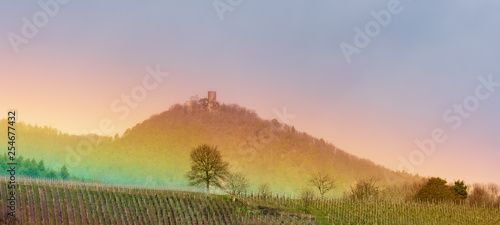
(267, 55)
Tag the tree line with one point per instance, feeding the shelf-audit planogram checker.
(209, 170)
(32, 168)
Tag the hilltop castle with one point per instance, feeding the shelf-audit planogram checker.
(209, 103)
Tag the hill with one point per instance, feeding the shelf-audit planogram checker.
(156, 151)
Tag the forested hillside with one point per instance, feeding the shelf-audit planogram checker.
(45, 143)
(156, 151)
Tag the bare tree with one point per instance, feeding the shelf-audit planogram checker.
(307, 196)
(264, 190)
(404, 191)
(323, 182)
(364, 189)
(194, 98)
(236, 184)
(485, 195)
(494, 191)
(207, 167)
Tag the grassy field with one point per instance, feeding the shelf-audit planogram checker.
(54, 202)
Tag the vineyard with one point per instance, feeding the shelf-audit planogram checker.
(57, 202)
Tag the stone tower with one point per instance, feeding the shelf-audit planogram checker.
(212, 100)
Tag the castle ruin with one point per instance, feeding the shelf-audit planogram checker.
(212, 100)
(209, 103)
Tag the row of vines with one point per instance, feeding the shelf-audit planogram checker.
(55, 202)
(41, 201)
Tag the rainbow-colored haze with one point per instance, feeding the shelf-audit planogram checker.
(267, 56)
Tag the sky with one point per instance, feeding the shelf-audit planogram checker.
(372, 77)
